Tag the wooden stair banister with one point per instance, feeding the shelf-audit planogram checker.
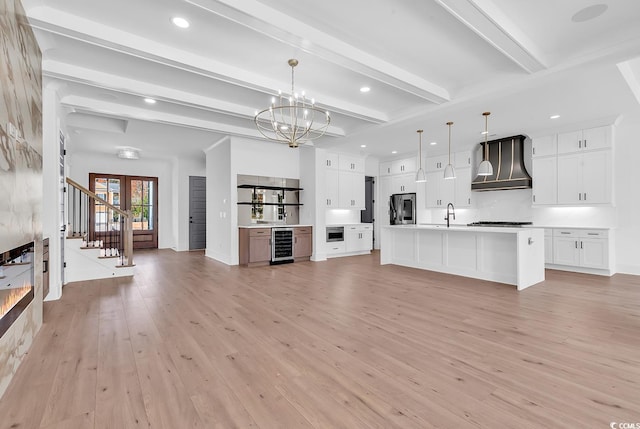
(95, 197)
(125, 249)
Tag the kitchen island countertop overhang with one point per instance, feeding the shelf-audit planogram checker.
(511, 255)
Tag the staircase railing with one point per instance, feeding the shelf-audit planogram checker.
(100, 224)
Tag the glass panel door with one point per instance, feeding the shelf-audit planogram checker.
(137, 194)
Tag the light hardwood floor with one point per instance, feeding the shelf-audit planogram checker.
(347, 343)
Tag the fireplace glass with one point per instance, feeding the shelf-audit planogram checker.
(16, 283)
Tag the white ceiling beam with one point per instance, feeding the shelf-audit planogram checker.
(630, 71)
(123, 111)
(490, 23)
(279, 26)
(110, 82)
(63, 24)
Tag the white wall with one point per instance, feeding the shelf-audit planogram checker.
(52, 125)
(182, 170)
(81, 164)
(219, 201)
(627, 192)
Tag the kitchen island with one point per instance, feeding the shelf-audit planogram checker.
(510, 255)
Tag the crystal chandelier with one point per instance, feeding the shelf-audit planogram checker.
(295, 120)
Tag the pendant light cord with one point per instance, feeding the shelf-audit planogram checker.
(486, 135)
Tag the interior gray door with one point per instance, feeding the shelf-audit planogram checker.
(197, 212)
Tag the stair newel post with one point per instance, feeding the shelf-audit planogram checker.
(128, 247)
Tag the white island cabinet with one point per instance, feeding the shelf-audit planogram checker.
(507, 255)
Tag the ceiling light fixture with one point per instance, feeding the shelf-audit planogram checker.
(293, 120)
(485, 168)
(433, 143)
(365, 89)
(420, 176)
(449, 171)
(180, 22)
(128, 153)
(394, 152)
(554, 116)
(150, 101)
(363, 145)
(589, 13)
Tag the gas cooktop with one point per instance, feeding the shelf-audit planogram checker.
(499, 223)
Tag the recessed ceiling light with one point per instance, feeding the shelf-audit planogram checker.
(150, 101)
(433, 143)
(483, 133)
(554, 116)
(394, 151)
(363, 145)
(589, 13)
(365, 89)
(180, 22)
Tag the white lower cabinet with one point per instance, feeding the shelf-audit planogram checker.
(358, 239)
(587, 248)
(548, 246)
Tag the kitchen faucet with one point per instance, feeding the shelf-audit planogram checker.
(449, 213)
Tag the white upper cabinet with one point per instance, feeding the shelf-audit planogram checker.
(344, 181)
(351, 163)
(544, 146)
(351, 191)
(403, 183)
(386, 168)
(545, 180)
(331, 160)
(585, 178)
(578, 141)
(461, 160)
(462, 183)
(437, 163)
(404, 166)
(332, 188)
(439, 191)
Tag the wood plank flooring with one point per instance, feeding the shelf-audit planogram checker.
(346, 343)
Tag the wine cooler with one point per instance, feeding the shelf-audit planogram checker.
(281, 245)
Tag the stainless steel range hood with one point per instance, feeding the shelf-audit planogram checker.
(507, 158)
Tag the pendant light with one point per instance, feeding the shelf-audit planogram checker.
(485, 168)
(420, 176)
(449, 171)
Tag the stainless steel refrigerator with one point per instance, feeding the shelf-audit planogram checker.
(402, 209)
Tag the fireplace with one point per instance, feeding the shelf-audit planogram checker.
(16, 283)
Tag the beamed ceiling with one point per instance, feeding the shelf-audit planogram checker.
(426, 62)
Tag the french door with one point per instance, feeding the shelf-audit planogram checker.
(135, 193)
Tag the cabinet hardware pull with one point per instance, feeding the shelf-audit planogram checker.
(585, 143)
(592, 233)
(581, 246)
(579, 143)
(579, 196)
(576, 244)
(585, 196)
(563, 232)
(534, 150)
